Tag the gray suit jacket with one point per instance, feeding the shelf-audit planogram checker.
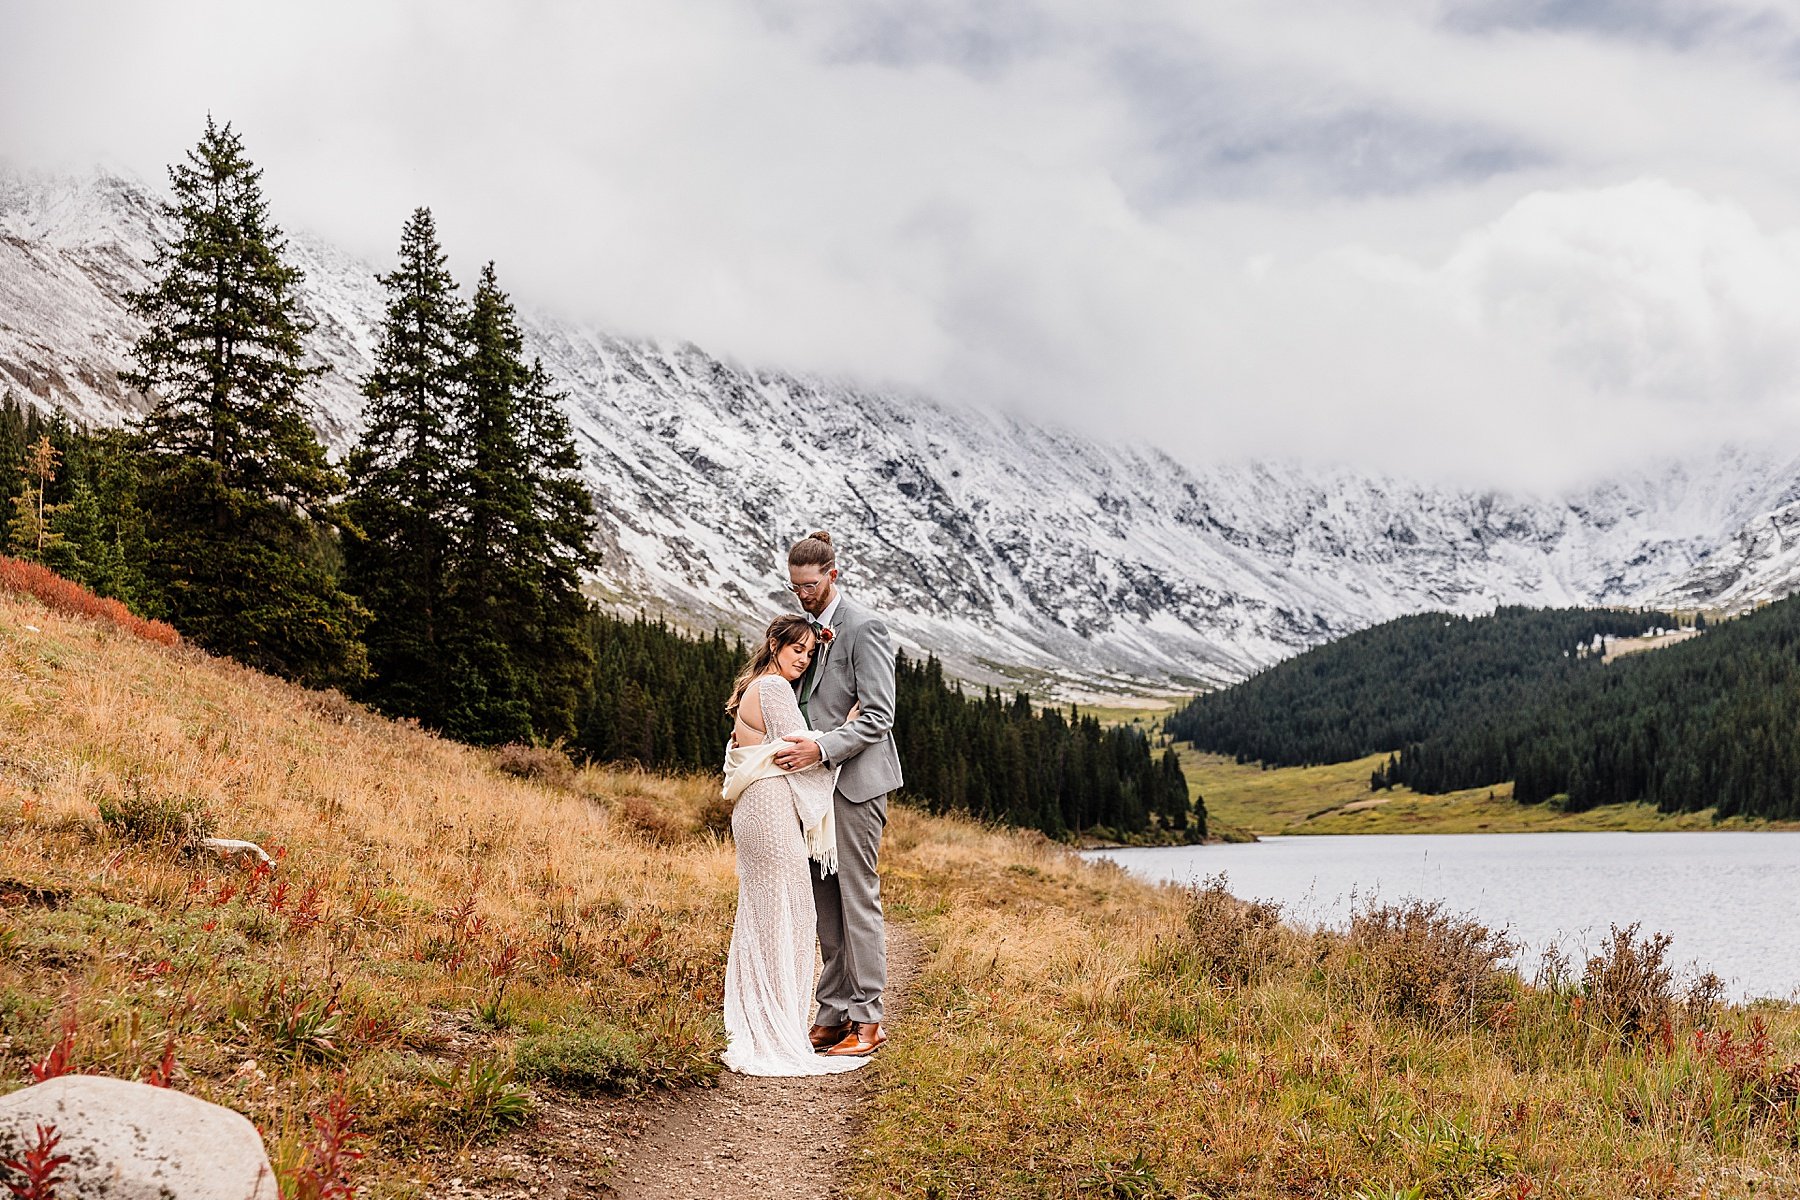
(857, 669)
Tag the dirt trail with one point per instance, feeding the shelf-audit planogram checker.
(748, 1138)
(760, 1139)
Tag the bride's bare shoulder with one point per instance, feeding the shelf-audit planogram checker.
(750, 705)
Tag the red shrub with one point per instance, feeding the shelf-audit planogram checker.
(40, 1165)
(325, 1173)
(162, 1073)
(64, 596)
(1749, 1062)
(60, 1059)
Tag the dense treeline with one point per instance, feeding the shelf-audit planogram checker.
(71, 502)
(659, 700)
(658, 697)
(1403, 682)
(1064, 774)
(1710, 722)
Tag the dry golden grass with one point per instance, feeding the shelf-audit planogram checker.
(429, 910)
(1620, 647)
(1077, 1034)
(437, 924)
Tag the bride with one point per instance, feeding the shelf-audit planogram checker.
(780, 820)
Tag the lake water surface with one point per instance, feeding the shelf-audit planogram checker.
(1730, 900)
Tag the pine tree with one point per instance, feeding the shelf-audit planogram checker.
(30, 535)
(12, 443)
(523, 658)
(237, 489)
(493, 593)
(560, 544)
(402, 477)
(1172, 787)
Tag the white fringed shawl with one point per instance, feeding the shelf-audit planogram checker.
(813, 789)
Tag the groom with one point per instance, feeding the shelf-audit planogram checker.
(852, 668)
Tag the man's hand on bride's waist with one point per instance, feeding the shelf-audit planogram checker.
(800, 753)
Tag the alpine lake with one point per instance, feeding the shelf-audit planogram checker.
(1730, 900)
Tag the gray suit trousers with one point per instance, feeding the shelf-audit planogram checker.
(852, 938)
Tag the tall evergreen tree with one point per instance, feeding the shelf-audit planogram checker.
(12, 444)
(520, 652)
(490, 591)
(560, 544)
(237, 489)
(402, 477)
(1172, 789)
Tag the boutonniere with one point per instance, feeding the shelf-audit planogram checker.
(826, 633)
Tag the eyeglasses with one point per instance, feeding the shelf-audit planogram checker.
(807, 589)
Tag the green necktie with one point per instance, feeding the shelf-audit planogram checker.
(810, 678)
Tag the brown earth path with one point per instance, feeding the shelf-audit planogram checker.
(745, 1139)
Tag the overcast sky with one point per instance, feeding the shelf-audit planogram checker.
(1513, 241)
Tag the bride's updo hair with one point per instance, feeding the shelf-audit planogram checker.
(813, 550)
(782, 632)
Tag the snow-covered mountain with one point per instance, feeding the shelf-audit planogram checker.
(1013, 550)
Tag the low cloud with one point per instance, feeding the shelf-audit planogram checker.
(1508, 243)
(1578, 332)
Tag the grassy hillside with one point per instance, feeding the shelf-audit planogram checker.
(431, 917)
(444, 944)
(1247, 800)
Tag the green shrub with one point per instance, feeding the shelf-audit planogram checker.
(300, 1021)
(583, 1059)
(142, 815)
(480, 1095)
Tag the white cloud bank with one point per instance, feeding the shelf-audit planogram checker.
(1577, 332)
(1516, 243)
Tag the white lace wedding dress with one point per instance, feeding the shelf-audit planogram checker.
(769, 971)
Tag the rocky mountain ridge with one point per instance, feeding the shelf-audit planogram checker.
(1013, 550)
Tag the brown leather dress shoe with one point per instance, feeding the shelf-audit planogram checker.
(861, 1042)
(824, 1037)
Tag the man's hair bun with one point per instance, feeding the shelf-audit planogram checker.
(813, 550)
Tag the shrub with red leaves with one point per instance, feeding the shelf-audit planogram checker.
(66, 596)
(57, 1062)
(162, 1073)
(40, 1165)
(325, 1173)
(307, 911)
(1748, 1062)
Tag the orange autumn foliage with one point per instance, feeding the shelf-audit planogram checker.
(66, 596)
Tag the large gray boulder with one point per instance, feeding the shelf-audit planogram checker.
(131, 1141)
